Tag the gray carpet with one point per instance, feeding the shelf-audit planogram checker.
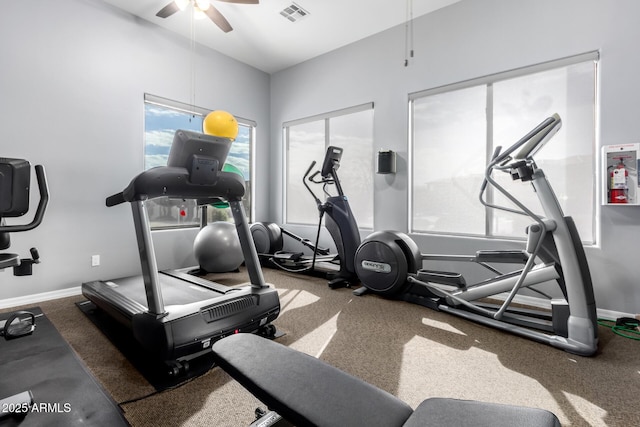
(407, 350)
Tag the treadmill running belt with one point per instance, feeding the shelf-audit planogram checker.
(175, 291)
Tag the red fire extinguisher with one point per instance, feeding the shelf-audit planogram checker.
(619, 189)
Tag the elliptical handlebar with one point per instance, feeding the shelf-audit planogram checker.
(310, 178)
(519, 164)
(485, 182)
(313, 163)
(530, 143)
(328, 172)
(326, 178)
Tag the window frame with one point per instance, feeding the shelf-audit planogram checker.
(326, 117)
(201, 112)
(488, 81)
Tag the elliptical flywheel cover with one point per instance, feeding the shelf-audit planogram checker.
(267, 236)
(381, 264)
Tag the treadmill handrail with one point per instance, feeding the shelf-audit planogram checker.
(173, 181)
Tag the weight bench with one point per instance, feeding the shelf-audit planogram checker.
(306, 391)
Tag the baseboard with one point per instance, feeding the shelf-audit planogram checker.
(69, 292)
(37, 298)
(613, 315)
(544, 303)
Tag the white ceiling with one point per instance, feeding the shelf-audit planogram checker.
(264, 39)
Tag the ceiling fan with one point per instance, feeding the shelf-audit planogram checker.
(202, 6)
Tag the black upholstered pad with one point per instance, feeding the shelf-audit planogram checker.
(452, 412)
(64, 391)
(304, 390)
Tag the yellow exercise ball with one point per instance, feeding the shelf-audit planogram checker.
(220, 123)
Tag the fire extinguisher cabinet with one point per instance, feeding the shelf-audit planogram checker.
(621, 185)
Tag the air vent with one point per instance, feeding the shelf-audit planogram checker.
(228, 308)
(294, 12)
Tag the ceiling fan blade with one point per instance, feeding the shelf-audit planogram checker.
(241, 1)
(168, 10)
(218, 19)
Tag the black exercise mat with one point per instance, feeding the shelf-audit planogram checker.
(64, 392)
(155, 371)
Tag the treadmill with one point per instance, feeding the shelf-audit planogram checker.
(172, 314)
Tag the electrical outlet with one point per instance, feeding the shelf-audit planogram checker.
(95, 260)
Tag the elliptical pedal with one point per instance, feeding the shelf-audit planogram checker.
(288, 256)
(442, 277)
(486, 255)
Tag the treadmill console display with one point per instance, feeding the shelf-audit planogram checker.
(187, 144)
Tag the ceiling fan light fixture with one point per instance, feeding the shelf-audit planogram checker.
(182, 4)
(198, 13)
(201, 9)
(203, 4)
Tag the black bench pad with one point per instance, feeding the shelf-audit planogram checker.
(305, 390)
(308, 392)
(438, 412)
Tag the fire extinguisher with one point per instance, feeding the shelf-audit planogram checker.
(619, 189)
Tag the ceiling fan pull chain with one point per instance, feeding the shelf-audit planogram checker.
(193, 61)
(408, 33)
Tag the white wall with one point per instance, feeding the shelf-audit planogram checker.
(72, 81)
(74, 72)
(467, 40)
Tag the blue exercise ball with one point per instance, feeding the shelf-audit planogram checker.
(217, 248)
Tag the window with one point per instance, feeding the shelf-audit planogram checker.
(454, 132)
(307, 140)
(162, 118)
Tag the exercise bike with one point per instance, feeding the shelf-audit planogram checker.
(389, 263)
(339, 221)
(15, 179)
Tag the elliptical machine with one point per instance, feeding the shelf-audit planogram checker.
(390, 264)
(340, 223)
